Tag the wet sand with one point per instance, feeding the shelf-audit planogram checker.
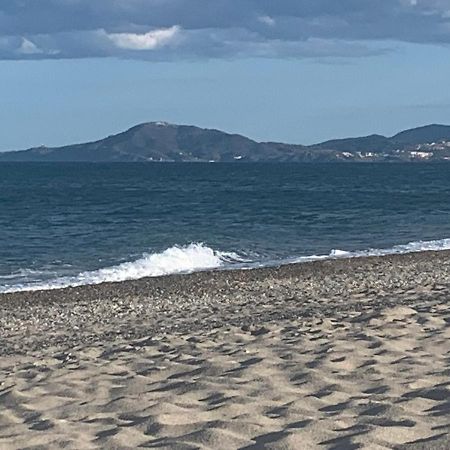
(338, 354)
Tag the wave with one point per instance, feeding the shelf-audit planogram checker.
(191, 258)
(197, 257)
(411, 247)
(22, 273)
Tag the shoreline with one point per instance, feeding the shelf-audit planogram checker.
(277, 271)
(136, 308)
(346, 353)
(326, 265)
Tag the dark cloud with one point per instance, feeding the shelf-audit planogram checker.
(172, 29)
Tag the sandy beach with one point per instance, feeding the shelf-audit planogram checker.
(337, 354)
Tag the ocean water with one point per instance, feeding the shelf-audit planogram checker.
(72, 224)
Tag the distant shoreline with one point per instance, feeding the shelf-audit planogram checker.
(239, 163)
(165, 142)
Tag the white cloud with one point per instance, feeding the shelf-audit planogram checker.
(148, 41)
(29, 48)
(174, 29)
(267, 20)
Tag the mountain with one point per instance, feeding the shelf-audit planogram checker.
(420, 135)
(160, 141)
(373, 143)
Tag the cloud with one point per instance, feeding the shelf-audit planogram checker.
(267, 20)
(176, 29)
(28, 48)
(146, 41)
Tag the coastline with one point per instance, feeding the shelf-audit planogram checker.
(343, 353)
(321, 288)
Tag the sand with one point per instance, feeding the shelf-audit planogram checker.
(341, 354)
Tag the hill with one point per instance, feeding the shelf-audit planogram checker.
(427, 134)
(160, 141)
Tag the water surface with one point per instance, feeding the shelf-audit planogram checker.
(76, 223)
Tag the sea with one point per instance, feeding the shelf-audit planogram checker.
(72, 224)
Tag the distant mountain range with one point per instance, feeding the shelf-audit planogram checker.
(161, 141)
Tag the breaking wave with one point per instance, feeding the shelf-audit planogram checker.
(191, 258)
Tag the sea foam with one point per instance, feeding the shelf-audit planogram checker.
(197, 257)
(411, 247)
(177, 259)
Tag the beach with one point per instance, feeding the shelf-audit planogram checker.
(334, 354)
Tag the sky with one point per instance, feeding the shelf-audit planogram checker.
(298, 71)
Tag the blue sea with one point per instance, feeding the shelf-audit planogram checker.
(65, 224)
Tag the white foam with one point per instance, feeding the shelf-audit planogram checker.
(411, 247)
(191, 258)
(196, 257)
